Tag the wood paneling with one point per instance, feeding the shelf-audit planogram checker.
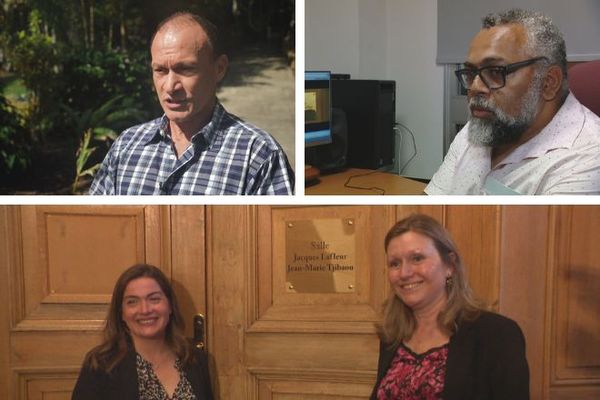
(515, 257)
(321, 311)
(476, 231)
(264, 329)
(71, 275)
(46, 386)
(8, 244)
(188, 255)
(536, 264)
(526, 261)
(574, 348)
(231, 260)
(306, 389)
(71, 257)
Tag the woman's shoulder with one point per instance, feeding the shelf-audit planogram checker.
(492, 324)
(95, 382)
(494, 319)
(99, 362)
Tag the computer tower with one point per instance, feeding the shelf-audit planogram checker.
(370, 107)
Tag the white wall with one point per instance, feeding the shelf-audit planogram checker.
(386, 39)
(412, 48)
(331, 35)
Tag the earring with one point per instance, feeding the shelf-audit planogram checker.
(449, 282)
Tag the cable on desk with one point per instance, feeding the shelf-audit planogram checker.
(401, 169)
(373, 188)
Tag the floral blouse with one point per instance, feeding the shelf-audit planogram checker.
(150, 387)
(414, 376)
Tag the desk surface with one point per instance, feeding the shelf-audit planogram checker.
(364, 182)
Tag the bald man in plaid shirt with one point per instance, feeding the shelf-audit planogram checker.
(196, 147)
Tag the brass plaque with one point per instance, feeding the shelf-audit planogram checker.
(320, 256)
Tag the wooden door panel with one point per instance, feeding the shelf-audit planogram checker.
(574, 348)
(525, 267)
(306, 353)
(47, 386)
(299, 389)
(186, 256)
(71, 258)
(476, 231)
(278, 307)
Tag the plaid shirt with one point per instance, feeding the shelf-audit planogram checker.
(227, 156)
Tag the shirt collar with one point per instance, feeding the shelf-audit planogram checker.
(209, 132)
(561, 132)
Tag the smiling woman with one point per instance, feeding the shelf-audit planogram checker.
(144, 354)
(436, 341)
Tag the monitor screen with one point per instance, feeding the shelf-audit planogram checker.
(317, 108)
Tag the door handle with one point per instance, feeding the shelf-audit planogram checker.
(199, 326)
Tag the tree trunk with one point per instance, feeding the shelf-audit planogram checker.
(122, 28)
(84, 22)
(92, 23)
(110, 34)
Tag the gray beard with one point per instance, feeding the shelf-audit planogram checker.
(504, 129)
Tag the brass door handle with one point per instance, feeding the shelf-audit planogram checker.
(199, 326)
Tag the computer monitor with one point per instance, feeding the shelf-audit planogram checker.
(317, 108)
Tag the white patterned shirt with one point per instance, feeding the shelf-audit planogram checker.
(226, 157)
(563, 158)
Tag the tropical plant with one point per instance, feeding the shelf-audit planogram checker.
(91, 77)
(100, 125)
(35, 57)
(15, 152)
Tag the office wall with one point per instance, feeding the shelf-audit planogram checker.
(577, 19)
(331, 36)
(386, 39)
(412, 29)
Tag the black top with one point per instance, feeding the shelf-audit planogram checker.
(486, 361)
(122, 382)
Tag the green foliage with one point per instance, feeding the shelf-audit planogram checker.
(83, 154)
(35, 58)
(100, 125)
(14, 148)
(92, 77)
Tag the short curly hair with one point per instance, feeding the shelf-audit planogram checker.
(543, 36)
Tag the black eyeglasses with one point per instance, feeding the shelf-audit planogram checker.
(493, 76)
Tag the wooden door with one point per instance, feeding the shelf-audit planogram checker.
(58, 266)
(535, 264)
(282, 344)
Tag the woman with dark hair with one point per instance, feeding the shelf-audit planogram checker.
(144, 354)
(437, 342)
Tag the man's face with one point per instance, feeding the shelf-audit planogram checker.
(186, 73)
(501, 116)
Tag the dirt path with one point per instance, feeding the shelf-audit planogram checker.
(259, 88)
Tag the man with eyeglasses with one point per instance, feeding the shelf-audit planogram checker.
(527, 133)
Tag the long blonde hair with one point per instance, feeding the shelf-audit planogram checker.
(399, 322)
(117, 340)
